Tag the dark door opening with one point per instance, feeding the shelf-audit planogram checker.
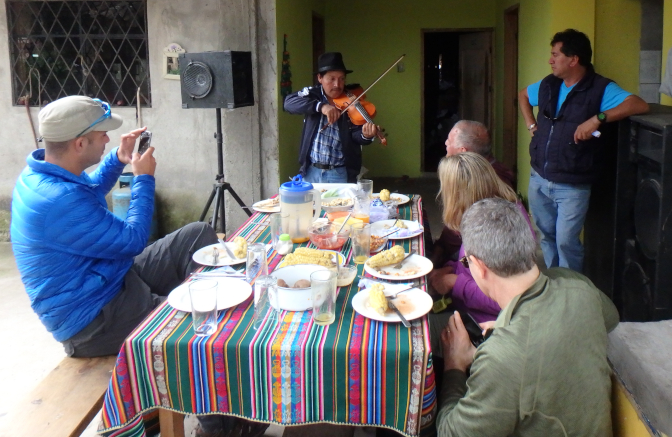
(456, 85)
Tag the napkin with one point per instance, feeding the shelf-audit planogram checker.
(412, 228)
(389, 288)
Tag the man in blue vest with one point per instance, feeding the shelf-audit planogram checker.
(566, 148)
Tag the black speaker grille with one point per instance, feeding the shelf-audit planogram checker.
(197, 79)
(647, 213)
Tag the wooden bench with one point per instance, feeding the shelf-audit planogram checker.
(64, 403)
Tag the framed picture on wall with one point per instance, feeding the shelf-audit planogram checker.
(171, 69)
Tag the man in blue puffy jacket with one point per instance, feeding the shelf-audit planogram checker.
(90, 277)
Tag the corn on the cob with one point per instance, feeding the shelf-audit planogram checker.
(387, 257)
(377, 300)
(304, 255)
(384, 195)
(240, 247)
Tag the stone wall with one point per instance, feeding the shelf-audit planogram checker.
(186, 149)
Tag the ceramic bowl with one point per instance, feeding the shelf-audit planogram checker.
(295, 299)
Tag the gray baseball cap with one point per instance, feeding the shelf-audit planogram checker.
(73, 116)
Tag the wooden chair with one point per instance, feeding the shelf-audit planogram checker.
(64, 403)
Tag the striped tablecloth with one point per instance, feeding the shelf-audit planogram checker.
(355, 371)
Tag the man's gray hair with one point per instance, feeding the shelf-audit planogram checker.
(495, 231)
(473, 136)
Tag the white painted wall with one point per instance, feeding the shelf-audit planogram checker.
(186, 150)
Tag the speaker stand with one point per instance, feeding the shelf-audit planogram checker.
(218, 189)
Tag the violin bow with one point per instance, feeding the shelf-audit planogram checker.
(369, 87)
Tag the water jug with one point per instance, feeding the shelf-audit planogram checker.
(300, 205)
(121, 200)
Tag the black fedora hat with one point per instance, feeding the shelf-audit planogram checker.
(331, 61)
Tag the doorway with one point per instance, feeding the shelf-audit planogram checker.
(457, 85)
(510, 115)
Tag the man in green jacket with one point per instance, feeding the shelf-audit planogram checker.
(543, 371)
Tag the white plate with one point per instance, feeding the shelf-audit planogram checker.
(230, 292)
(412, 304)
(203, 256)
(378, 228)
(424, 266)
(261, 206)
(327, 187)
(399, 198)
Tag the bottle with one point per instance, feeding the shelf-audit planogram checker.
(285, 244)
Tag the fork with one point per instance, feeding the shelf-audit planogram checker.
(215, 255)
(398, 265)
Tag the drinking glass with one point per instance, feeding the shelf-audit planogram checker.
(256, 262)
(323, 289)
(265, 300)
(279, 226)
(362, 208)
(366, 185)
(203, 295)
(361, 242)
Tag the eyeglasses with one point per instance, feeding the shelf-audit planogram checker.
(465, 261)
(106, 115)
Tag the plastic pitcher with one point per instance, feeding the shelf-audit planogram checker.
(301, 203)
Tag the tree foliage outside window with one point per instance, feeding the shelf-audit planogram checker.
(93, 48)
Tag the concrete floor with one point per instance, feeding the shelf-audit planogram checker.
(30, 352)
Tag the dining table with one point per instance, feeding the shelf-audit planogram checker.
(289, 371)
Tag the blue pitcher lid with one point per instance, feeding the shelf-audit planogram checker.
(297, 184)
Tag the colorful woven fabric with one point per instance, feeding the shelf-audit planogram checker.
(355, 371)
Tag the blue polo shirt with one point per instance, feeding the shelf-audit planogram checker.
(613, 95)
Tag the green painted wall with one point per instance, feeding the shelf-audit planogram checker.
(609, 24)
(616, 21)
(371, 40)
(667, 43)
(294, 18)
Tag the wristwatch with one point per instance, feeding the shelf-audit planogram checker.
(602, 117)
(532, 126)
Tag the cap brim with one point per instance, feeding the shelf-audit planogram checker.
(112, 123)
(333, 69)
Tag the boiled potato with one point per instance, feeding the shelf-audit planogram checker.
(302, 283)
(282, 283)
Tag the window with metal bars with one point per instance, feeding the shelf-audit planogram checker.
(93, 48)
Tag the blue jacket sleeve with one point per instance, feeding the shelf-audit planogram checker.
(80, 225)
(304, 102)
(108, 172)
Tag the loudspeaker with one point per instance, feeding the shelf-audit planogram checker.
(216, 79)
(643, 232)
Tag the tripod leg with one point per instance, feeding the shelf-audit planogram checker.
(238, 199)
(215, 212)
(220, 204)
(208, 203)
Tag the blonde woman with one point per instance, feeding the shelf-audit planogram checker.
(465, 179)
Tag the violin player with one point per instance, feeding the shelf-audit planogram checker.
(332, 154)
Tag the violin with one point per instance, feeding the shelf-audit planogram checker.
(361, 111)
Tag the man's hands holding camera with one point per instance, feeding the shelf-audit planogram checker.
(141, 164)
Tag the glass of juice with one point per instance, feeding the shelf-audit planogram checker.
(361, 241)
(362, 208)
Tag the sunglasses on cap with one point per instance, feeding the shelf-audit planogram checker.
(106, 115)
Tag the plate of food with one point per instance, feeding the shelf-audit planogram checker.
(407, 229)
(372, 304)
(268, 205)
(206, 255)
(305, 255)
(383, 265)
(332, 204)
(230, 292)
(386, 196)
